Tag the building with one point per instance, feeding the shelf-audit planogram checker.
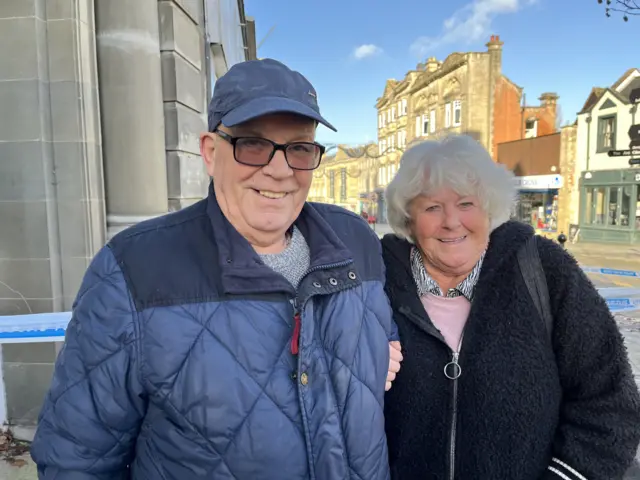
(536, 163)
(606, 205)
(466, 93)
(102, 105)
(339, 178)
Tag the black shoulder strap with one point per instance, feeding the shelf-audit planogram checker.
(534, 278)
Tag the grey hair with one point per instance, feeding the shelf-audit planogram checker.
(455, 161)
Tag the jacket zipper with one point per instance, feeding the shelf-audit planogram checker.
(297, 311)
(453, 376)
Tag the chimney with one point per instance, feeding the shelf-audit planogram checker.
(549, 99)
(432, 64)
(494, 48)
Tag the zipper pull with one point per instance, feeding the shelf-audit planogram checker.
(453, 370)
(295, 339)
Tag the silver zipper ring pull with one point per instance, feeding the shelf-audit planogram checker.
(452, 370)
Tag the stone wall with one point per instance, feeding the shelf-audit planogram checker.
(52, 207)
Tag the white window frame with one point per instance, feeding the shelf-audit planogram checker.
(404, 106)
(419, 126)
(432, 121)
(457, 107)
(425, 125)
(447, 115)
(393, 113)
(384, 146)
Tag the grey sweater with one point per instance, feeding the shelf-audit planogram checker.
(293, 262)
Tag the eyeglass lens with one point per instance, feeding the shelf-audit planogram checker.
(255, 151)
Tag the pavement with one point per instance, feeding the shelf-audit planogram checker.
(591, 255)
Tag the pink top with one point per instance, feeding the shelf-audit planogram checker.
(449, 315)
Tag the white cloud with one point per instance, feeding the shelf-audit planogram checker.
(469, 24)
(364, 51)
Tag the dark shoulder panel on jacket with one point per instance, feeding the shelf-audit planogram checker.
(163, 258)
(358, 237)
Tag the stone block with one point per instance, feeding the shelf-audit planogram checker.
(73, 270)
(29, 353)
(186, 176)
(17, 8)
(18, 306)
(20, 61)
(21, 171)
(62, 41)
(26, 386)
(182, 128)
(73, 220)
(78, 171)
(66, 101)
(25, 277)
(60, 9)
(193, 8)
(179, 33)
(181, 82)
(27, 235)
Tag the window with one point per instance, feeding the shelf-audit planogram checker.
(612, 214)
(606, 133)
(531, 128)
(404, 106)
(625, 207)
(418, 126)
(425, 124)
(380, 121)
(598, 206)
(389, 116)
(393, 113)
(384, 147)
(392, 143)
(332, 184)
(588, 211)
(432, 120)
(343, 185)
(402, 139)
(457, 113)
(447, 115)
(380, 147)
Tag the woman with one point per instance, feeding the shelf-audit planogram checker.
(484, 392)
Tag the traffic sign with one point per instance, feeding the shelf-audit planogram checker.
(634, 136)
(634, 96)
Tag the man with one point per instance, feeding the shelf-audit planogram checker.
(245, 337)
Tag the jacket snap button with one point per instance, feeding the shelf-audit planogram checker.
(333, 281)
(316, 284)
(304, 378)
(352, 275)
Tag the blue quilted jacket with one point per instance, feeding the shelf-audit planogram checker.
(178, 364)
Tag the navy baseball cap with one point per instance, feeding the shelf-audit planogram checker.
(260, 87)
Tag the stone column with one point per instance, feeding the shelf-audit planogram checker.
(130, 83)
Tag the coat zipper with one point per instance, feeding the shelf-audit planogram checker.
(452, 371)
(297, 308)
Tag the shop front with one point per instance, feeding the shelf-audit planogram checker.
(610, 206)
(537, 202)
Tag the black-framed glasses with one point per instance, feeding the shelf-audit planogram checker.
(258, 152)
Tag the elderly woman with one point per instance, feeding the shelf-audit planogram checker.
(486, 391)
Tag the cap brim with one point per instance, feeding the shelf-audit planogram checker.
(268, 105)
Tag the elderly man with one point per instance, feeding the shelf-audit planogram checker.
(245, 337)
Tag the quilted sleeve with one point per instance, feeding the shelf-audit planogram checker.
(91, 416)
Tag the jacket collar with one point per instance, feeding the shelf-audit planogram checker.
(242, 270)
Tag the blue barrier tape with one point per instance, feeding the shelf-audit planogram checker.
(611, 271)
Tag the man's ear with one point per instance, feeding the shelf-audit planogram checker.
(207, 150)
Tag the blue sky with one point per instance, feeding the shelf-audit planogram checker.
(563, 46)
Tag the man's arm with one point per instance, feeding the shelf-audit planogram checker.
(91, 416)
(599, 427)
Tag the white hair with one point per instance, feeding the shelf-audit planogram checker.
(457, 162)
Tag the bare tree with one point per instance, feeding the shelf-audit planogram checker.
(624, 7)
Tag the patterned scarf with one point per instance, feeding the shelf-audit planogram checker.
(426, 284)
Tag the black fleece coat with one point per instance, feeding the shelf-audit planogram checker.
(523, 410)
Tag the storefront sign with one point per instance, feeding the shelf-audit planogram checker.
(539, 182)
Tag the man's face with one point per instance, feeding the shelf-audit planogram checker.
(260, 202)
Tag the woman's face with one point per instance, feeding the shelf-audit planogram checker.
(452, 231)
